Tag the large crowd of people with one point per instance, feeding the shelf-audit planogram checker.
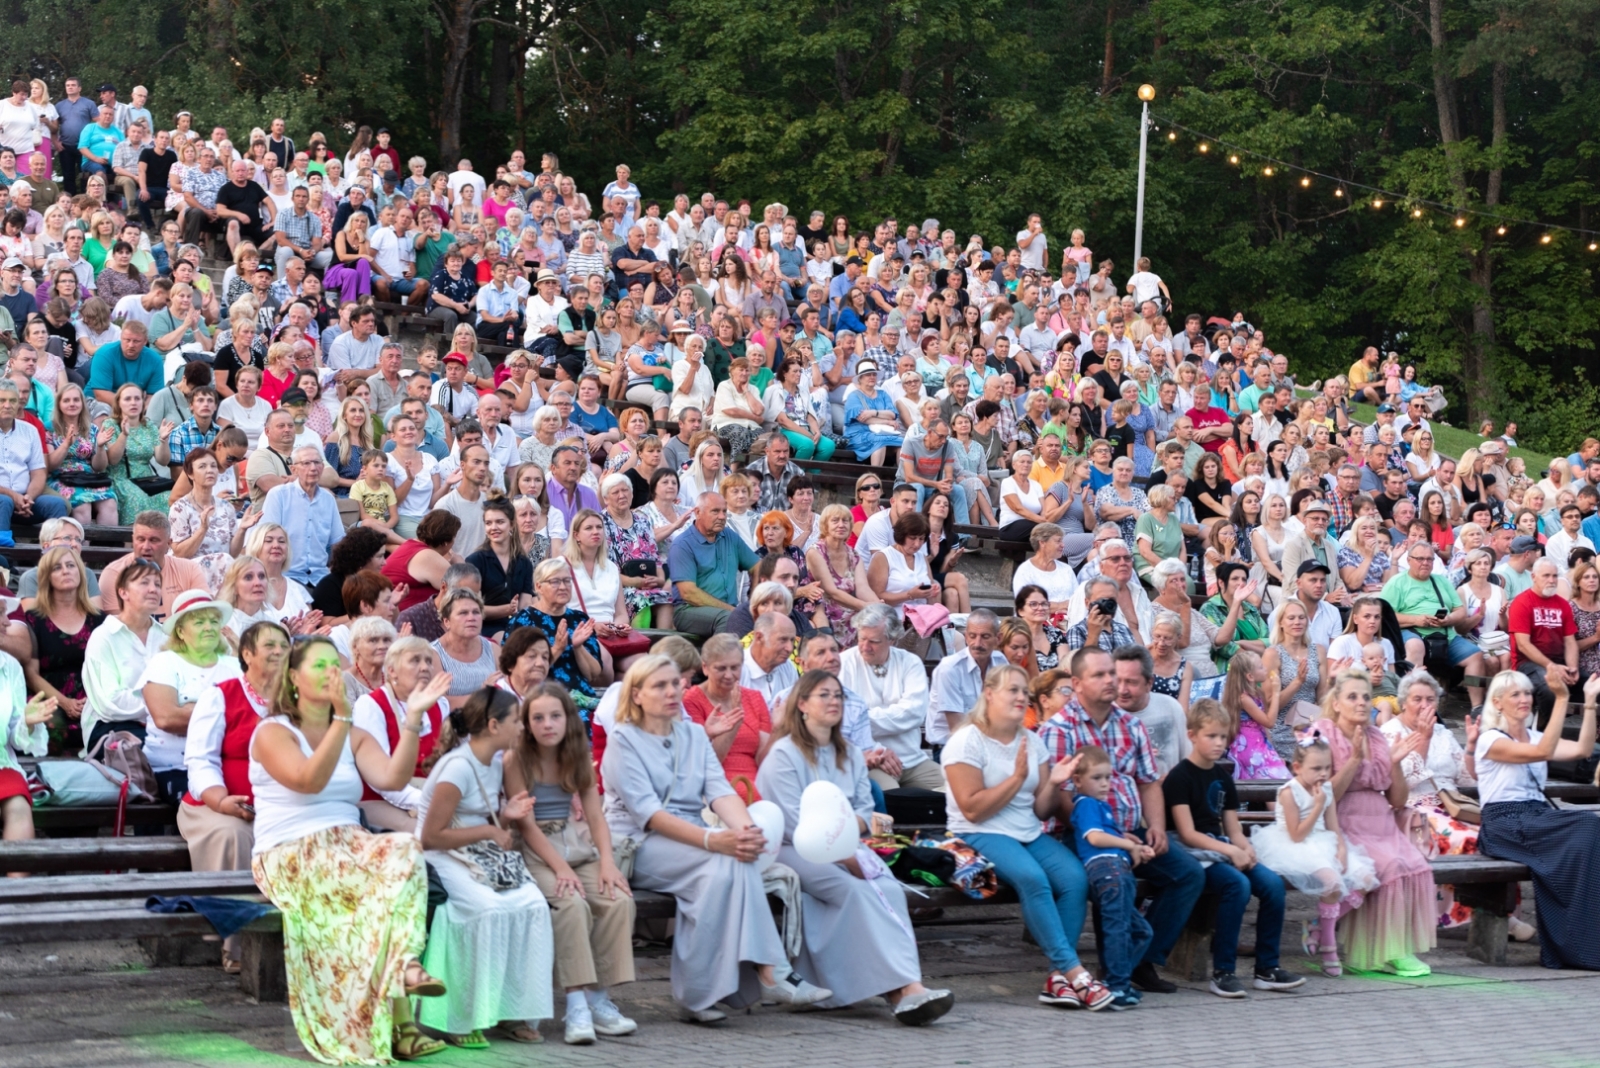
(389, 611)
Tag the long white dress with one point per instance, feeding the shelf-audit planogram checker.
(494, 950)
(1299, 862)
(858, 941)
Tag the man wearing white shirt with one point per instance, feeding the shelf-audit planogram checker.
(1310, 586)
(767, 667)
(543, 334)
(1133, 604)
(894, 685)
(1033, 245)
(1163, 718)
(497, 437)
(957, 680)
(1560, 544)
(465, 175)
(878, 531)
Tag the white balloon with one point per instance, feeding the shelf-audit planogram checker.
(769, 817)
(826, 832)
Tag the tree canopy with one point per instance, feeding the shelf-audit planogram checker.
(978, 112)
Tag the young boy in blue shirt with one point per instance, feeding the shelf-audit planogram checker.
(1203, 817)
(1109, 858)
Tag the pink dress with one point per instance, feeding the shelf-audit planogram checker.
(1399, 918)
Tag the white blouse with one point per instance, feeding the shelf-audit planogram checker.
(1444, 768)
(598, 592)
(1028, 496)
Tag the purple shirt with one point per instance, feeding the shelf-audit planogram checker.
(584, 498)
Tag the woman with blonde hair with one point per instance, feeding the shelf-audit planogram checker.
(269, 543)
(661, 773)
(102, 235)
(351, 273)
(76, 452)
(134, 449)
(350, 441)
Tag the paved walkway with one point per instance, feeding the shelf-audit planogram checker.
(1465, 1015)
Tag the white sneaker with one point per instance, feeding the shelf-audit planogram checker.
(794, 992)
(1520, 929)
(608, 1019)
(580, 1027)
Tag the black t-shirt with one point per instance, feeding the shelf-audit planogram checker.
(1208, 792)
(246, 199)
(228, 361)
(158, 165)
(1110, 384)
(327, 596)
(1121, 438)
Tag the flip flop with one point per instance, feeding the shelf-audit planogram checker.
(522, 1032)
(470, 1040)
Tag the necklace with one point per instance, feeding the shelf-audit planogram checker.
(880, 671)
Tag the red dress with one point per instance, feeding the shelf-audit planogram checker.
(740, 763)
(397, 569)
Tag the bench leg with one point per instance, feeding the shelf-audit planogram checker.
(1190, 957)
(1491, 905)
(262, 974)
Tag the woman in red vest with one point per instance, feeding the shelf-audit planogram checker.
(216, 814)
(411, 664)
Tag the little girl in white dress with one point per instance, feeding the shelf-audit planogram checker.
(1306, 847)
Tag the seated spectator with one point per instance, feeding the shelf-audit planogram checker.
(361, 549)
(1544, 642)
(1044, 568)
(735, 716)
(129, 360)
(871, 423)
(269, 543)
(196, 657)
(1519, 823)
(1092, 718)
(706, 969)
(22, 468)
(77, 460)
(419, 564)
(597, 589)
(853, 942)
(1427, 608)
(464, 653)
(894, 685)
(66, 533)
(152, 542)
(22, 729)
(309, 514)
(507, 572)
(704, 563)
(1003, 824)
(61, 621)
(899, 575)
(574, 648)
(205, 530)
(216, 817)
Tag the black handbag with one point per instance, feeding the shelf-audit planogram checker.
(638, 569)
(84, 479)
(150, 485)
(1436, 647)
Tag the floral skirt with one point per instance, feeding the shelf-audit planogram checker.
(75, 496)
(1451, 838)
(1253, 754)
(638, 600)
(354, 915)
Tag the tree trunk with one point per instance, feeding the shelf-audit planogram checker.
(1110, 60)
(519, 77)
(457, 50)
(499, 70)
(1477, 362)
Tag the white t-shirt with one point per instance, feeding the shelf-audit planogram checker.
(1058, 585)
(1508, 782)
(1348, 647)
(386, 250)
(458, 179)
(250, 420)
(420, 499)
(997, 762)
(1029, 497)
(1146, 286)
(130, 309)
(479, 786)
(1033, 255)
(165, 750)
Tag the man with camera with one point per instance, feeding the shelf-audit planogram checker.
(1429, 611)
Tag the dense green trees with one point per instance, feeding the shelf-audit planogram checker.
(976, 112)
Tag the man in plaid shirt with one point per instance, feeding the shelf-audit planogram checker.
(1092, 718)
(200, 430)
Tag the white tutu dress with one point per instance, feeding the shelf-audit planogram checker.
(1299, 862)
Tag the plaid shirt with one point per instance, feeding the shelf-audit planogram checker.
(1343, 513)
(299, 229)
(189, 437)
(774, 492)
(1133, 759)
(1110, 640)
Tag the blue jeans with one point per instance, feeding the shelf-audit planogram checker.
(1051, 884)
(1124, 933)
(1234, 888)
(960, 507)
(1177, 879)
(45, 506)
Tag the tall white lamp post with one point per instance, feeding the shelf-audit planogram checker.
(1147, 93)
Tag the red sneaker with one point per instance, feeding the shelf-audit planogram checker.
(1091, 993)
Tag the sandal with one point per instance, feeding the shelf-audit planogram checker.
(470, 1040)
(518, 1032)
(420, 984)
(410, 1044)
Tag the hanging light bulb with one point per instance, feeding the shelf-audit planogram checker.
(1339, 192)
(1460, 221)
(1545, 240)
(1416, 213)
(1172, 137)
(1305, 183)
(1501, 230)
(1267, 171)
(1593, 246)
(1377, 202)
(1233, 159)
(1204, 147)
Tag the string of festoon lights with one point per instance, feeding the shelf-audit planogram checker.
(1355, 193)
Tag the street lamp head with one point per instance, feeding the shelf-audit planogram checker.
(1147, 92)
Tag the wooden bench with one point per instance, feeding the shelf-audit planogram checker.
(95, 557)
(163, 853)
(57, 818)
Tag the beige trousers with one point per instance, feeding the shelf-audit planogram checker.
(593, 934)
(926, 775)
(216, 843)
